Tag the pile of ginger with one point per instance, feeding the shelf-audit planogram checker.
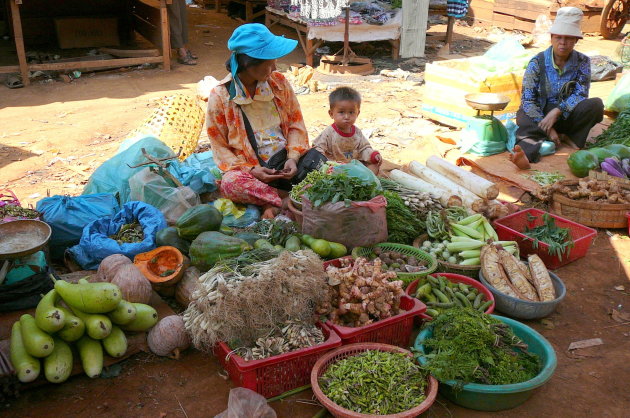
(361, 293)
(592, 190)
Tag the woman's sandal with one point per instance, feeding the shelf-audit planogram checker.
(187, 60)
(191, 55)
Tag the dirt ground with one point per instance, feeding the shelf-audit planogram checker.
(53, 135)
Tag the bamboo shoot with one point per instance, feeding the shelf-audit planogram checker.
(413, 182)
(476, 184)
(469, 199)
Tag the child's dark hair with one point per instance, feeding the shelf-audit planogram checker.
(344, 93)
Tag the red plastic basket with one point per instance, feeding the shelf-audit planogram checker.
(352, 350)
(275, 375)
(511, 228)
(455, 278)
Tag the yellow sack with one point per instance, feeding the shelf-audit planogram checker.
(227, 207)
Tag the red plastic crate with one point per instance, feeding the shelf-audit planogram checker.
(275, 375)
(395, 330)
(511, 228)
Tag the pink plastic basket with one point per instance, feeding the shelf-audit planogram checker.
(511, 228)
(278, 374)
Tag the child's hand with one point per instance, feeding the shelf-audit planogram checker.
(376, 158)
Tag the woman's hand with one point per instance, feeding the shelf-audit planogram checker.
(290, 169)
(548, 121)
(266, 175)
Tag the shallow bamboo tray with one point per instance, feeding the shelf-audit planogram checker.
(593, 214)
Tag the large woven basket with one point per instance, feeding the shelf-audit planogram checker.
(352, 350)
(177, 122)
(594, 214)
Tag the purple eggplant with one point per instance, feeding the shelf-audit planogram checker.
(625, 164)
(613, 167)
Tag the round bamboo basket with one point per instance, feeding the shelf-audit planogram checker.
(593, 214)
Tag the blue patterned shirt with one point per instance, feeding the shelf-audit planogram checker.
(536, 94)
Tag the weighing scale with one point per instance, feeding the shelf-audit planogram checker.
(484, 128)
(20, 239)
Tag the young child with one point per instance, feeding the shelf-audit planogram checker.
(342, 141)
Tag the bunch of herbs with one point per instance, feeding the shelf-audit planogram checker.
(558, 239)
(402, 224)
(340, 187)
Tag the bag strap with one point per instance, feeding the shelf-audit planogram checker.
(540, 57)
(249, 130)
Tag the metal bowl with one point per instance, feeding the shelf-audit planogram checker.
(487, 101)
(23, 237)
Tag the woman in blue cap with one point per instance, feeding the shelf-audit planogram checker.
(255, 124)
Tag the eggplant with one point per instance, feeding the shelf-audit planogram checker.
(625, 164)
(612, 167)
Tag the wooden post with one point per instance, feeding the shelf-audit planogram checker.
(414, 28)
(166, 36)
(449, 30)
(19, 40)
(249, 11)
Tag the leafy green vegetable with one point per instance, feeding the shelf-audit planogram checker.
(276, 231)
(298, 190)
(402, 224)
(472, 347)
(375, 382)
(558, 239)
(617, 133)
(340, 187)
(545, 178)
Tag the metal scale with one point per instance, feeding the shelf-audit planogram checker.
(20, 239)
(485, 128)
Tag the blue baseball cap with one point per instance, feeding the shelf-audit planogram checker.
(256, 41)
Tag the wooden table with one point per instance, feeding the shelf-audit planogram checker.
(250, 15)
(310, 45)
(150, 19)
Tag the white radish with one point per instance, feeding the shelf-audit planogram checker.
(412, 182)
(476, 184)
(469, 199)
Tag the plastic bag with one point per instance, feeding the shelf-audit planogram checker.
(505, 50)
(67, 216)
(603, 68)
(114, 174)
(26, 293)
(197, 172)
(229, 208)
(95, 243)
(247, 403)
(541, 34)
(357, 169)
(619, 99)
(149, 187)
(511, 128)
(359, 225)
(251, 216)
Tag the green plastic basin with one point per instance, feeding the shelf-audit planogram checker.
(499, 397)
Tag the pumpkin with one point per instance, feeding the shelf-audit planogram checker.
(187, 286)
(109, 267)
(133, 285)
(164, 265)
(198, 219)
(210, 247)
(168, 337)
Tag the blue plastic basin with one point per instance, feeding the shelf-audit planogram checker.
(523, 309)
(499, 397)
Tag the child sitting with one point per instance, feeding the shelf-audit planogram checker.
(342, 141)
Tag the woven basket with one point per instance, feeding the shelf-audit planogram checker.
(593, 214)
(352, 350)
(444, 267)
(401, 248)
(177, 122)
(603, 176)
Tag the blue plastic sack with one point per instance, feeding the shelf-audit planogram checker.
(196, 172)
(251, 215)
(95, 243)
(114, 174)
(357, 169)
(67, 216)
(511, 128)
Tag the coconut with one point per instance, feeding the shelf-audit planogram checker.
(187, 286)
(168, 337)
(109, 267)
(133, 285)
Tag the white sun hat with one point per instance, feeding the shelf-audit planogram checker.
(567, 22)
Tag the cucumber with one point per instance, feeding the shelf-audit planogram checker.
(463, 299)
(477, 301)
(124, 313)
(485, 306)
(58, 365)
(97, 326)
(48, 317)
(91, 354)
(74, 327)
(432, 313)
(115, 344)
(36, 342)
(441, 296)
(26, 366)
(146, 317)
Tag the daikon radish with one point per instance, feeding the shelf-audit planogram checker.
(413, 182)
(469, 199)
(476, 184)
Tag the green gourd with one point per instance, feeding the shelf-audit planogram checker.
(58, 365)
(91, 354)
(48, 317)
(146, 317)
(97, 326)
(26, 366)
(74, 327)
(198, 219)
(89, 297)
(115, 344)
(36, 342)
(124, 313)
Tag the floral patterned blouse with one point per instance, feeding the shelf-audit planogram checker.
(539, 91)
(226, 129)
